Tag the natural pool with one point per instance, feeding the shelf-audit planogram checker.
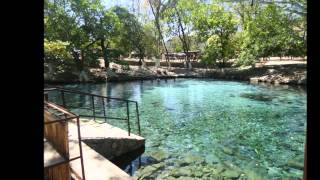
(209, 129)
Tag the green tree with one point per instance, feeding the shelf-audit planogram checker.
(60, 26)
(174, 44)
(98, 24)
(177, 16)
(62, 23)
(217, 26)
(157, 7)
(57, 54)
(150, 40)
(271, 29)
(132, 31)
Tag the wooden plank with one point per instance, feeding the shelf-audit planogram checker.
(56, 134)
(59, 172)
(56, 146)
(51, 156)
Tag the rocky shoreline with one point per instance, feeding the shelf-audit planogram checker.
(291, 74)
(188, 166)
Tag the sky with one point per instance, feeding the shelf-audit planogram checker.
(138, 5)
(110, 3)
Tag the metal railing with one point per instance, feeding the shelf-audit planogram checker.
(64, 103)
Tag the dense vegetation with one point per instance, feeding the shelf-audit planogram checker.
(77, 32)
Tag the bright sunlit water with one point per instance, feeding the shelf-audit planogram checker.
(201, 125)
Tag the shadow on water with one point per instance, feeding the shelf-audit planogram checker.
(131, 161)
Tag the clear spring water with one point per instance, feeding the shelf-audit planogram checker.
(257, 131)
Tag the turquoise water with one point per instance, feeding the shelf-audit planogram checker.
(209, 129)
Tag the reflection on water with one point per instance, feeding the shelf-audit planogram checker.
(204, 125)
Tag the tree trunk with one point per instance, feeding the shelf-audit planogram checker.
(157, 23)
(78, 61)
(183, 39)
(104, 54)
(141, 56)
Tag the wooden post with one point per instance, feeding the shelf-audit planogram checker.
(128, 119)
(93, 108)
(62, 99)
(104, 110)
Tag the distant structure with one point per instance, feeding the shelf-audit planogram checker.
(193, 56)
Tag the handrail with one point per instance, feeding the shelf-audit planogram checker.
(63, 90)
(85, 93)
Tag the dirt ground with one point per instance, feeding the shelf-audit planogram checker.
(283, 61)
(270, 61)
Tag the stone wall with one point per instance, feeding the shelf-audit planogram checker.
(277, 74)
(112, 148)
(280, 74)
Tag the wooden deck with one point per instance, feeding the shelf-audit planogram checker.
(96, 167)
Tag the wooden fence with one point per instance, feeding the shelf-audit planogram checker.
(57, 135)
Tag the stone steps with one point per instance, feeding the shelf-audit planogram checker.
(109, 141)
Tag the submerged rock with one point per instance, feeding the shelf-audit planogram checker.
(257, 96)
(146, 172)
(230, 173)
(182, 171)
(273, 171)
(165, 175)
(227, 150)
(192, 159)
(211, 158)
(218, 169)
(159, 155)
(253, 176)
(198, 173)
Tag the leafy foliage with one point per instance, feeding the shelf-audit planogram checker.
(57, 55)
(217, 26)
(78, 32)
